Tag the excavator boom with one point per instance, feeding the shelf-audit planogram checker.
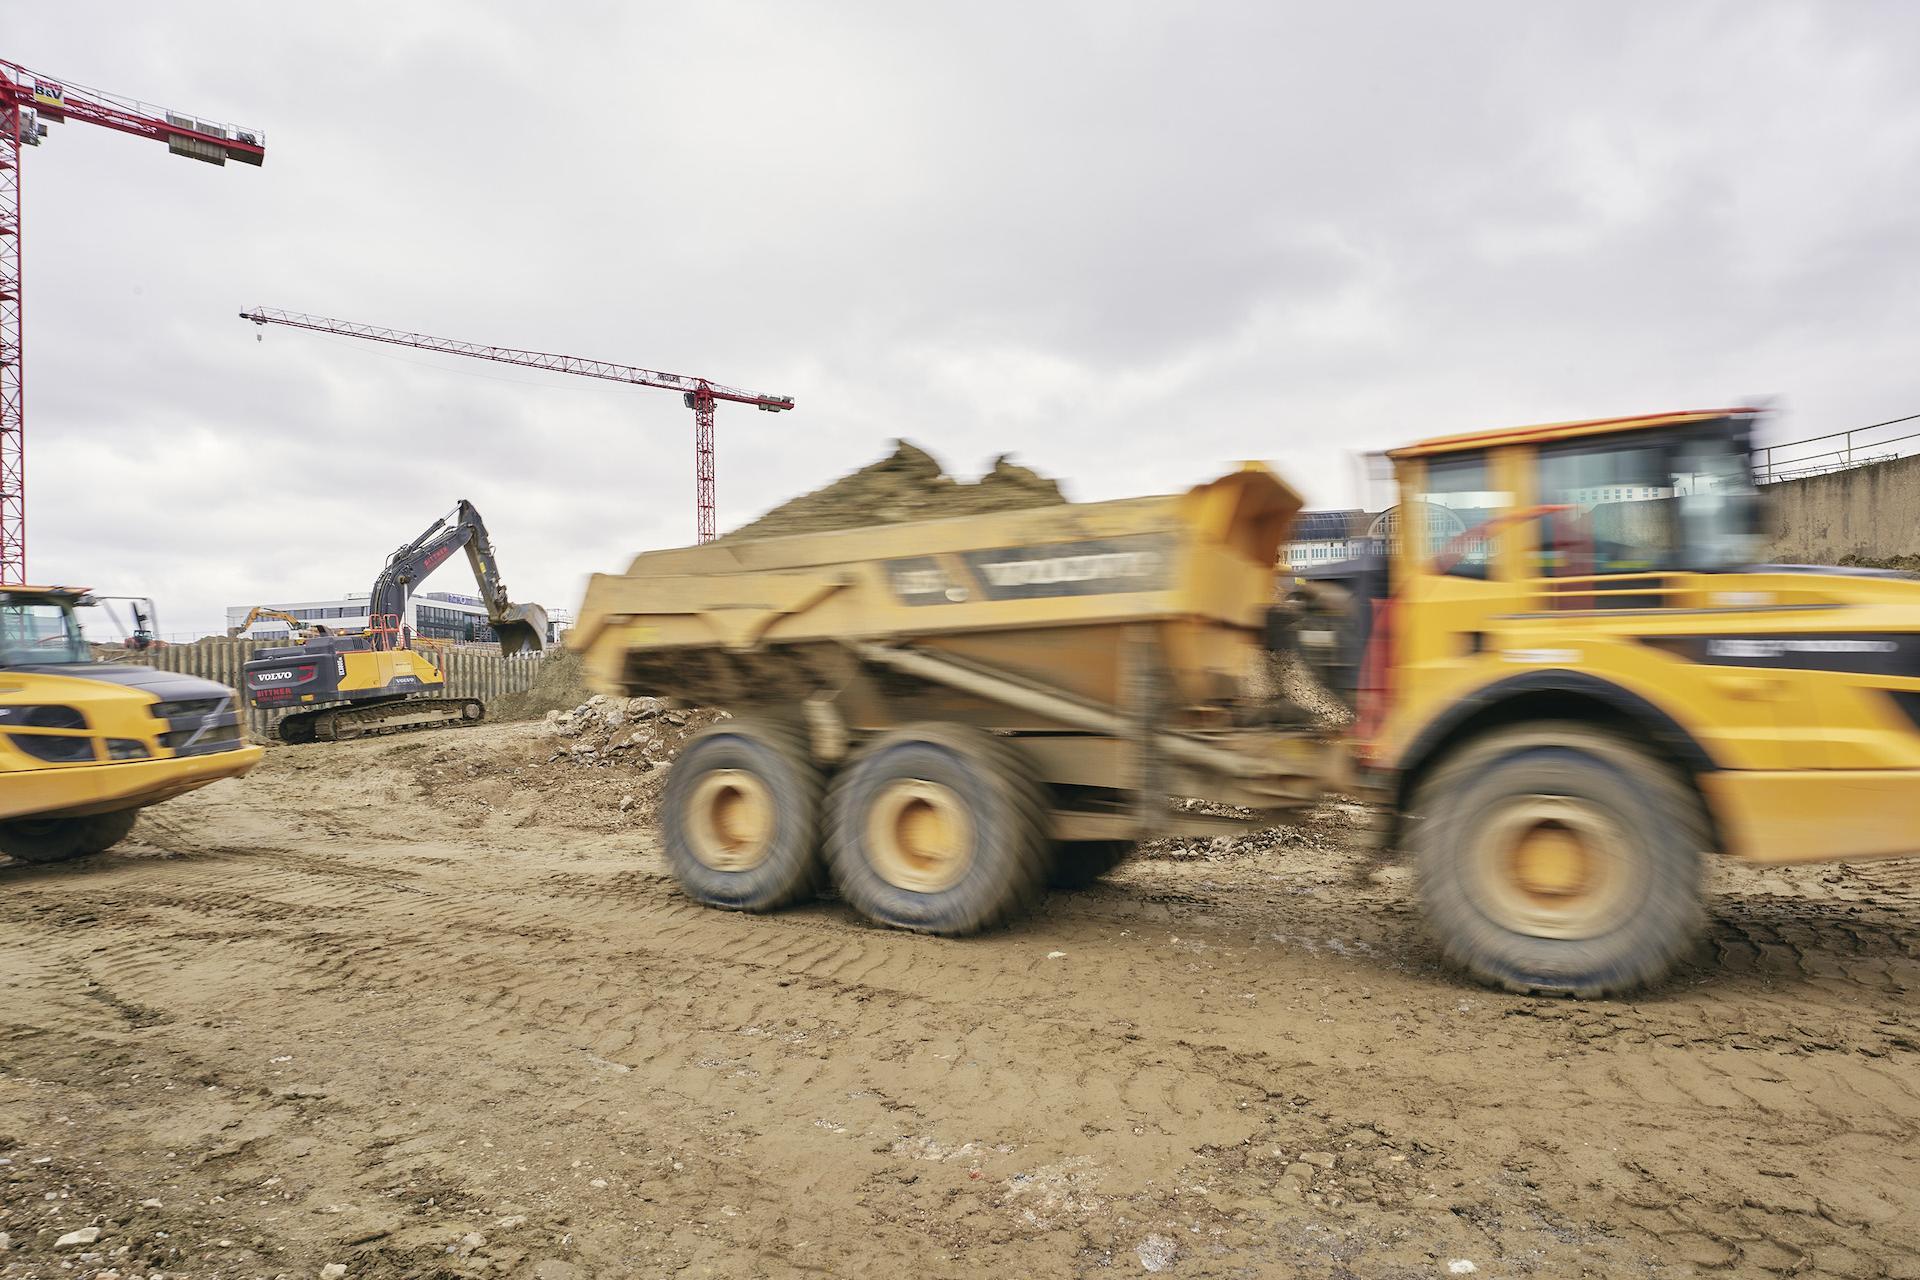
(521, 628)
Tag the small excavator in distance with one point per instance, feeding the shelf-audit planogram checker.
(341, 684)
(295, 627)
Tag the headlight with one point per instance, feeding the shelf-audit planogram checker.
(42, 717)
(194, 707)
(54, 750)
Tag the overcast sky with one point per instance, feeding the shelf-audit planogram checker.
(1128, 243)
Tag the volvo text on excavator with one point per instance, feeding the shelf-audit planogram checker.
(344, 684)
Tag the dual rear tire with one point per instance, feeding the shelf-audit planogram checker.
(937, 828)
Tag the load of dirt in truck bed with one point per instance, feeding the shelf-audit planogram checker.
(907, 484)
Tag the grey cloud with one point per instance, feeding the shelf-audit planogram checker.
(1129, 241)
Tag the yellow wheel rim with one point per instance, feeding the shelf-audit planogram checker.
(730, 820)
(919, 835)
(1556, 867)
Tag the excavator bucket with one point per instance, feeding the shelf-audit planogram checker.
(522, 629)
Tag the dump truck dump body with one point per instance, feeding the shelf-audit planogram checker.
(1109, 641)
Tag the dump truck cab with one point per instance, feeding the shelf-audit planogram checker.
(85, 744)
(1580, 680)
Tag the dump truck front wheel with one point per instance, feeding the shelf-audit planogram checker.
(63, 839)
(939, 828)
(741, 817)
(1554, 858)
(1081, 862)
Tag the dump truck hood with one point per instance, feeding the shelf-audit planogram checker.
(165, 686)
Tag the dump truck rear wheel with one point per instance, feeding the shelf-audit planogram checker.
(742, 817)
(1081, 862)
(1553, 858)
(63, 839)
(938, 828)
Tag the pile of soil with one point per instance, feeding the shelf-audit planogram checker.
(561, 683)
(600, 765)
(907, 484)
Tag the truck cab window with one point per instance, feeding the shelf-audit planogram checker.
(1456, 502)
(1616, 520)
(1661, 503)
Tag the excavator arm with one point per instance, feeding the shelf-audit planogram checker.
(260, 611)
(522, 628)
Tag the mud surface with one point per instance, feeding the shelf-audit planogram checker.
(419, 1007)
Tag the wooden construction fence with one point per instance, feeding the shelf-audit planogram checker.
(472, 671)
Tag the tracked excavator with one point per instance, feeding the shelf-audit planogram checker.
(343, 684)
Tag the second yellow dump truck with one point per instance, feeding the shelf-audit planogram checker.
(1572, 686)
(85, 745)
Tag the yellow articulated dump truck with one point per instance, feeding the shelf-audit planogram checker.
(1571, 683)
(947, 716)
(85, 745)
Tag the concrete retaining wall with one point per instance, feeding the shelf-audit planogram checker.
(1869, 513)
(472, 672)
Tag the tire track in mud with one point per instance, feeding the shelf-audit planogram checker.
(1201, 1031)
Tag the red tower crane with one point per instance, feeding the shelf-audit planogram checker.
(28, 101)
(699, 394)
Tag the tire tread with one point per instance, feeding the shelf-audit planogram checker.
(1677, 810)
(1006, 773)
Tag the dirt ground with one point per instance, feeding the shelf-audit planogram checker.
(429, 1006)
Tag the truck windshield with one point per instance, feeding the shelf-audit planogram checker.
(1646, 503)
(39, 631)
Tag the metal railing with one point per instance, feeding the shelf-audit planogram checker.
(1844, 450)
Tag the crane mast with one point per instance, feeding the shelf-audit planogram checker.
(698, 394)
(30, 101)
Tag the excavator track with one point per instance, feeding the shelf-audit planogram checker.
(343, 724)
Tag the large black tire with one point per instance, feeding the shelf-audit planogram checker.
(64, 839)
(1080, 863)
(989, 860)
(1554, 858)
(105, 830)
(741, 817)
